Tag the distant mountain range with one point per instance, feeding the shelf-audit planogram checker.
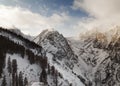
(54, 60)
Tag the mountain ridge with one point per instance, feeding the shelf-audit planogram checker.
(30, 60)
(90, 61)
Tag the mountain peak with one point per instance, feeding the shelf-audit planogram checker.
(55, 43)
(108, 36)
(47, 34)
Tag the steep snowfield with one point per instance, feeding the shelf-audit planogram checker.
(30, 71)
(89, 57)
(66, 72)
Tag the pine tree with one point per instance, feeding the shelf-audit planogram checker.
(56, 78)
(20, 79)
(2, 60)
(43, 76)
(70, 84)
(44, 63)
(17, 80)
(4, 83)
(13, 79)
(14, 66)
(52, 70)
(48, 69)
(14, 71)
(25, 81)
(9, 66)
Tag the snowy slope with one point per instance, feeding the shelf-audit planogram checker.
(100, 51)
(30, 60)
(30, 71)
(89, 57)
(24, 65)
(92, 60)
(84, 60)
(61, 55)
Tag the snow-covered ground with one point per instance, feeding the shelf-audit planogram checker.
(63, 53)
(66, 72)
(32, 72)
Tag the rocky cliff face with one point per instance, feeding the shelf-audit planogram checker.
(62, 55)
(108, 71)
(57, 45)
(104, 56)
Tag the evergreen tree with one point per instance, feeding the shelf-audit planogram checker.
(2, 60)
(48, 69)
(56, 78)
(14, 72)
(52, 70)
(20, 79)
(4, 83)
(14, 66)
(70, 84)
(17, 80)
(44, 63)
(9, 66)
(43, 76)
(25, 81)
(13, 79)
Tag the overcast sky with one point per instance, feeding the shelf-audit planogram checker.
(69, 17)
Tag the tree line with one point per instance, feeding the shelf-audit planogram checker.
(16, 79)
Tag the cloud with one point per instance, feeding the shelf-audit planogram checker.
(102, 13)
(29, 22)
(99, 8)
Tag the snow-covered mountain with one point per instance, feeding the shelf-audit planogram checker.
(100, 51)
(92, 60)
(62, 56)
(23, 62)
(53, 60)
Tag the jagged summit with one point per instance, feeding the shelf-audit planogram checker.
(45, 34)
(55, 42)
(111, 35)
(61, 55)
